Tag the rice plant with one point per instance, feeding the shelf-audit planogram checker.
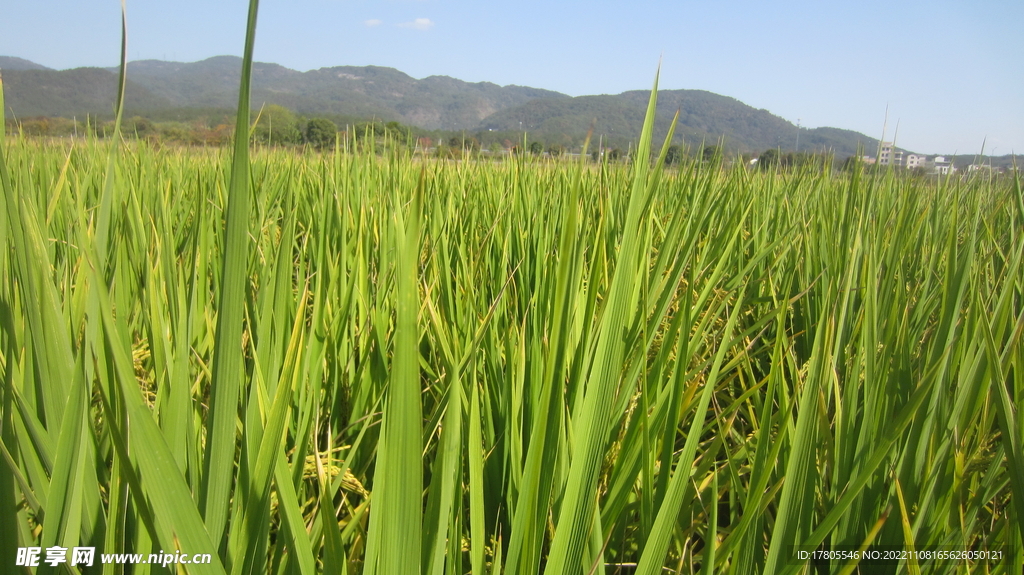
(357, 363)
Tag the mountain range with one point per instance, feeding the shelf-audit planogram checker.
(357, 93)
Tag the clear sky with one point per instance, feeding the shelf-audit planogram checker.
(950, 72)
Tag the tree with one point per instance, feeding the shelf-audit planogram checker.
(768, 159)
(614, 154)
(396, 130)
(464, 143)
(141, 127)
(673, 155)
(708, 153)
(443, 150)
(321, 132)
(277, 125)
(496, 148)
(555, 151)
(536, 148)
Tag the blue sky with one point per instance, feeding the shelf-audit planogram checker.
(950, 72)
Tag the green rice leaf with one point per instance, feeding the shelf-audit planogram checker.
(221, 433)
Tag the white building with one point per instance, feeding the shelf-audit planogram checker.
(915, 160)
(889, 155)
(940, 165)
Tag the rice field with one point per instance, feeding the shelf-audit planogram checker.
(362, 363)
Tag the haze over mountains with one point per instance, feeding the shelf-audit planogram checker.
(435, 103)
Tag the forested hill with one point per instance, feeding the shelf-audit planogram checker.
(704, 117)
(11, 63)
(436, 102)
(433, 103)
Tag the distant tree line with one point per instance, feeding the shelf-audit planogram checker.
(773, 158)
(275, 125)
